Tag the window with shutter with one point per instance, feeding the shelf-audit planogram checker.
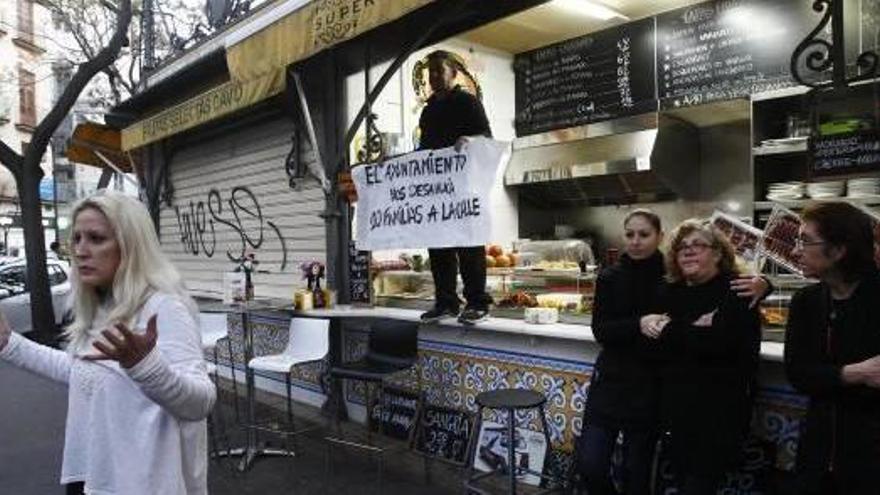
(27, 104)
(26, 20)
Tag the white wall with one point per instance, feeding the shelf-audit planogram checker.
(398, 110)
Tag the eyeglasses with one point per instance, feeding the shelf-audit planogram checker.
(801, 242)
(696, 247)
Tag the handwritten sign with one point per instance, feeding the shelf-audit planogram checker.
(721, 50)
(397, 418)
(444, 433)
(591, 78)
(846, 153)
(358, 275)
(436, 198)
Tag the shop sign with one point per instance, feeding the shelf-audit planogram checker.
(318, 25)
(221, 100)
(431, 198)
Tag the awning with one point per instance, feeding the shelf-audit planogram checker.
(310, 29)
(97, 145)
(258, 61)
(221, 100)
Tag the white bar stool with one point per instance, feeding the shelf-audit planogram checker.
(308, 341)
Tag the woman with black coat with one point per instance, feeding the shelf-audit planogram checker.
(832, 353)
(623, 396)
(709, 340)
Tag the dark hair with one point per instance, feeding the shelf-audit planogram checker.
(648, 215)
(843, 225)
(54, 246)
(446, 57)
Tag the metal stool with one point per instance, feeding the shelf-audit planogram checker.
(511, 400)
(392, 347)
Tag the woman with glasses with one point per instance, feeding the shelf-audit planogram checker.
(709, 341)
(832, 352)
(623, 396)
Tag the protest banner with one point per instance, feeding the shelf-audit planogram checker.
(431, 198)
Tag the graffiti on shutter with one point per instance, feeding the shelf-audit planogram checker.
(198, 232)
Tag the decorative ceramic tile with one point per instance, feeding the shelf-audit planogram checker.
(270, 337)
(453, 375)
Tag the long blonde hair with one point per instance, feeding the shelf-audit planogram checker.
(143, 267)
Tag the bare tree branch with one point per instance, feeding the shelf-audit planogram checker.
(12, 160)
(81, 78)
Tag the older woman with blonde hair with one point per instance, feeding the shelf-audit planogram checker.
(709, 340)
(139, 392)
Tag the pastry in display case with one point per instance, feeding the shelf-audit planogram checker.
(529, 274)
(774, 308)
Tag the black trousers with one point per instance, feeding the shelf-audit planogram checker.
(445, 265)
(76, 488)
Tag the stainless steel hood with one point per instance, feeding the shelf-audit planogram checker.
(646, 157)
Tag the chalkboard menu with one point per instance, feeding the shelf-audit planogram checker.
(722, 50)
(399, 414)
(358, 275)
(845, 153)
(444, 433)
(592, 78)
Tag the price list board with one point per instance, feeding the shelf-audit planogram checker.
(445, 434)
(854, 152)
(358, 275)
(592, 78)
(721, 50)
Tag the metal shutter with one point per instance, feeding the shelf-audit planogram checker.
(249, 159)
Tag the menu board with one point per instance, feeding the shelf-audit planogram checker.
(398, 416)
(358, 275)
(848, 153)
(601, 76)
(721, 50)
(444, 433)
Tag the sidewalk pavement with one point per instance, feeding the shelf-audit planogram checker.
(32, 414)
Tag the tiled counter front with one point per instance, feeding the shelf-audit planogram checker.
(456, 365)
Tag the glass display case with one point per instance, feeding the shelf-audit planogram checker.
(774, 309)
(549, 274)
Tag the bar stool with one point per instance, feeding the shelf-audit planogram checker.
(392, 347)
(308, 341)
(510, 400)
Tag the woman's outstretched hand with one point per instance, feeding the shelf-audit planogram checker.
(126, 347)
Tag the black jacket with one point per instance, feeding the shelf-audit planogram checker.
(842, 429)
(451, 116)
(708, 374)
(623, 389)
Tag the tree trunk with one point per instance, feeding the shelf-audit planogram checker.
(42, 314)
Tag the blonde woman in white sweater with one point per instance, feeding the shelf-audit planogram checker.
(139, 392)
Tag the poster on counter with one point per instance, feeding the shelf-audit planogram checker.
(530, 448)
(430, 198)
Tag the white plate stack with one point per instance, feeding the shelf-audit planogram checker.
(826, 189)
(865, 188)
(779, 191)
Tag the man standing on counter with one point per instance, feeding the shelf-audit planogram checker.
(449, 118)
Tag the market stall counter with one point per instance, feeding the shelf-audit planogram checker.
(458, 362)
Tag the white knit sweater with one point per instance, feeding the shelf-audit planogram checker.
(139, 431)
